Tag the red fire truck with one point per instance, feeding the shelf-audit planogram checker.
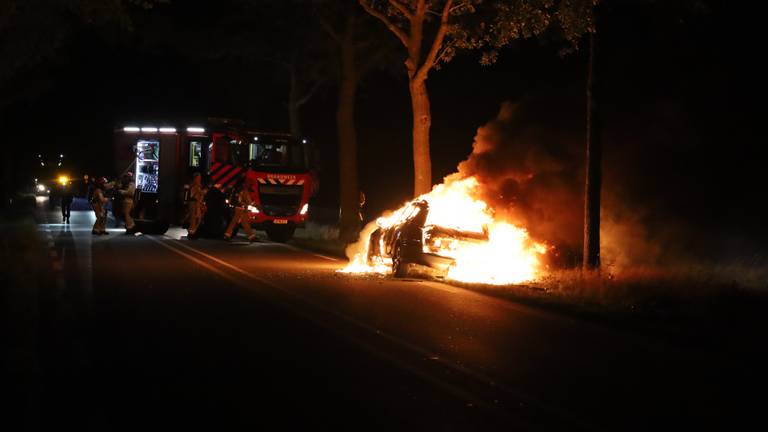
(163, 158)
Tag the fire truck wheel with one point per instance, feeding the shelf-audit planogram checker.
(280, 234)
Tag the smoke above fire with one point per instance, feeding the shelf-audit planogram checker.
(531, 174)
(529, 161)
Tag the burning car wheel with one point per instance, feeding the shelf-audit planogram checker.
(280, 234)
(399, 267)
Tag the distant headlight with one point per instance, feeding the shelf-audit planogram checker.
(253, 209)
(304, 209)
(41, 188)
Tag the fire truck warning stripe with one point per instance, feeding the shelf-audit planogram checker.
(215, 165)
(230, 175)
(215, 175)
(280, 181)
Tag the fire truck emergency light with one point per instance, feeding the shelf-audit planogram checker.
(149, 129)
(304, 209)
(195, 129)
(130, 129)
(167, 130)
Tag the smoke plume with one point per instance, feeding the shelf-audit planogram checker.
(657, 190)
(531, 171)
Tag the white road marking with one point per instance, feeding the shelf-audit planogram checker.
(195, 260)
(88, 229)
(175, 233)
(325, 257)
(226, 264)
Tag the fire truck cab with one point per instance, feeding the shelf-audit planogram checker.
(276, 167)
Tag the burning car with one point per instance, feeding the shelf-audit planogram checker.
(451, 231)
(413, 241)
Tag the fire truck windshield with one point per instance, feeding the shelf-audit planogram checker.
(230, 150)
(277, 155)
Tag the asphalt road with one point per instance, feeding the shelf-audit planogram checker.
(150, 332)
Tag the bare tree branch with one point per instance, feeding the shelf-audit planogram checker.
(328, 28)
(402, 8)
(392, 27)
(440, 56)
(459, 6)
(308, 95)
(429, 61)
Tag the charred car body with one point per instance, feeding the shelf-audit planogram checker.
(412, 240)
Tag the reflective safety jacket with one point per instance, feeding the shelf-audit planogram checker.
(244, 198)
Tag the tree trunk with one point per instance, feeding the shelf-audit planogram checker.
(293, 103)
(422, 120)
(345, 124)
(591, 259)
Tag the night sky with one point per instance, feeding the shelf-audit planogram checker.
(679, 85)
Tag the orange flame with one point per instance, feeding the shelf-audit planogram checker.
(509, 256)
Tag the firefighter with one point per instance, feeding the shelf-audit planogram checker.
(195, 205)
(67, 196)
(99, 203)
(112, 192)
(240, 215)
(361, 210)
(126, 192)
(84, 189)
